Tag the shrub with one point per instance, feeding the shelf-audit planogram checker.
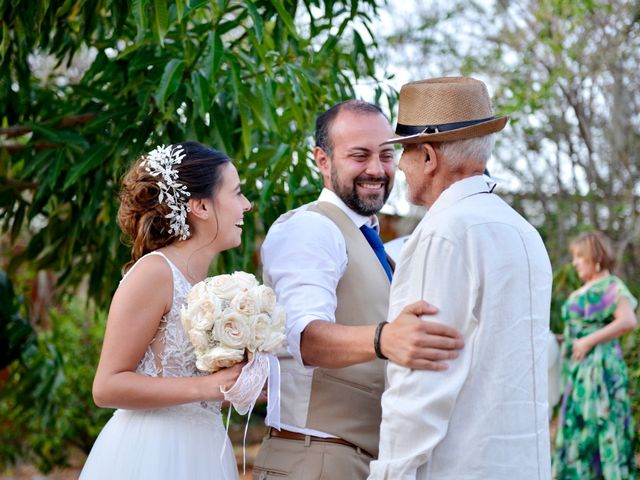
(46, 406)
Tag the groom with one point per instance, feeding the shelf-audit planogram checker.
(487, 271)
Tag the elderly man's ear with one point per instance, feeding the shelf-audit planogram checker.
(430, 158)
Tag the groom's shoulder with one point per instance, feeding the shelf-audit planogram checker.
(300, 216)
(302, 223)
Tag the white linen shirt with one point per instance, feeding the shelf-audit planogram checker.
(304, 256)
(487, 271)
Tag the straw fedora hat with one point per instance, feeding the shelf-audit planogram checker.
(445, 109)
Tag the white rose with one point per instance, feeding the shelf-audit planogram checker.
(275, 338)
(185, 318)
(232, 330)
(246, 281)
(264, 297)
(245, 304)
(193, 301)
(202, 320)
(198, 291)
(219, 357)
(279, 317)
(260, 326)
(199, 339)
(222, 286)
(273, 342)
(208, 312)
(202, 308)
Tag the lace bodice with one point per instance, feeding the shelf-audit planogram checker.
(170, 353)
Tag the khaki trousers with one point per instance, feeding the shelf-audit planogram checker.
(281, 458)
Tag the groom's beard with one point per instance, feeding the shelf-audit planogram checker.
(365, 205)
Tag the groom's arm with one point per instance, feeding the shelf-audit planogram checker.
(304, 261)
(408, 340)
(417, 405)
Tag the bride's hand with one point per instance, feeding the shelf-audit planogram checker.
(223, 380)
(264, 394)
(230, 375)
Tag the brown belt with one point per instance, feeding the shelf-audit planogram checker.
(286, 434)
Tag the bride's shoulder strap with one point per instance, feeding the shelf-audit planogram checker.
(155, 252)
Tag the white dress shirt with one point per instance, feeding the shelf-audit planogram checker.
(487, 271)
(303, 260)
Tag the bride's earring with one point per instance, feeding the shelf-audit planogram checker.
(598, 268)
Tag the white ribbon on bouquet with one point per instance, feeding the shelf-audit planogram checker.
(245, 392)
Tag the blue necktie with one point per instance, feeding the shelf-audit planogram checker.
(374, 240)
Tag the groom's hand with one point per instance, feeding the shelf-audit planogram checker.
(416, 343)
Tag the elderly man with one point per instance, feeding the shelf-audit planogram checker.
(487, 271)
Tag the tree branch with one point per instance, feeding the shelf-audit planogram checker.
(18, 130)
(18, 184)
(14, 148)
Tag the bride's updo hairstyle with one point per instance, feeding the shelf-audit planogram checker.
(142, 215)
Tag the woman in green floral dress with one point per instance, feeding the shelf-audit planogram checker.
(595, 428)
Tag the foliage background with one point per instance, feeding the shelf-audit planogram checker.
(86, 86)
(239, 76)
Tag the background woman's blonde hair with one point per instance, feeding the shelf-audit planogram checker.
(597, 247)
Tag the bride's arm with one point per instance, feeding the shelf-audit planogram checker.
(134, 316)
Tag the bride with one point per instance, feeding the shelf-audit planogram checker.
(180, 205)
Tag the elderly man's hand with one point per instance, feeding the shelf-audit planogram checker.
(416, 343)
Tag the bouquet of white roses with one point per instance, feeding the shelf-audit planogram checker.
(230, 316)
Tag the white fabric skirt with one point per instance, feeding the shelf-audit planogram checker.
(184, 442)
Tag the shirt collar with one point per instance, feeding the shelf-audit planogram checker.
(329, 196)
(458, 190)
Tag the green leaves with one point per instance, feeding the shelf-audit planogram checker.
(200, 93)
(216, 51)
(171, 78)
(47, 395)
(245, 77)
(96, 156)
(15, 330)
(160, 19)
(284, 17)
(138, 11)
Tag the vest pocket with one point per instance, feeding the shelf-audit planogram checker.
(267, 474)
(348, 383)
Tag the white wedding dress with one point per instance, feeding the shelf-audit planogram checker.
(181, 442)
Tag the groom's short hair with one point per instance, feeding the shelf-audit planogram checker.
(326, 119)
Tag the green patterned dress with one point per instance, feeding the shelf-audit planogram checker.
(595, 428)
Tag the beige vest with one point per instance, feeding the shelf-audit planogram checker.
(345, 402)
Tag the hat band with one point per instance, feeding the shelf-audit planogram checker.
(408, 130)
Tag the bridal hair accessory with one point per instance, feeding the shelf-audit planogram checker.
(161, 162)
(229, 318)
